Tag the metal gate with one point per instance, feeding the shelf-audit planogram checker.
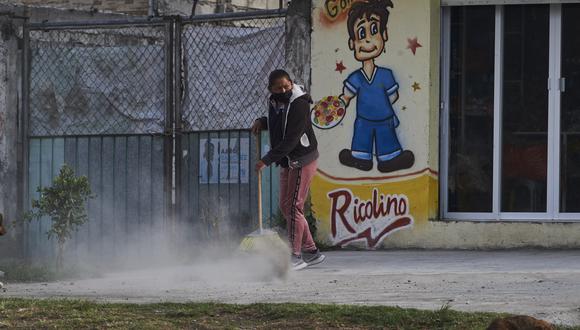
(155, 112)
(98, 98)
(226, 62)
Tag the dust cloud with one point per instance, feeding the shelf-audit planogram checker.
(171, 255)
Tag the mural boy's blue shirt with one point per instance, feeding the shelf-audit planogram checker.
(373, 95)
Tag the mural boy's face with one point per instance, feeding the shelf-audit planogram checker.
(369, 41)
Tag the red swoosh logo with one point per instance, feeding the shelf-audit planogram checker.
(373, 241)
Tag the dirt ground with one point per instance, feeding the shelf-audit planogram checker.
(544, 284)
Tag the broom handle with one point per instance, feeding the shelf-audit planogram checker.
(259, 154)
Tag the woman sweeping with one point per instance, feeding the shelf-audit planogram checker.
(294, 149)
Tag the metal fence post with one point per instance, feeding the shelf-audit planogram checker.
(23, 119)
(168, 135)
(177, 135)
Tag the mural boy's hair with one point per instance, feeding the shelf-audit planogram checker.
(277, 74)
(366, 8)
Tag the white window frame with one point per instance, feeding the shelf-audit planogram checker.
(552, 213)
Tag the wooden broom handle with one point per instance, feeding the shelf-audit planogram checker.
(259, 154)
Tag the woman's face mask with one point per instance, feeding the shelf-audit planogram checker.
(281, 90)
(282, 97)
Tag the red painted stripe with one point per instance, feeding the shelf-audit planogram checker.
(377, 178)
(373, 241)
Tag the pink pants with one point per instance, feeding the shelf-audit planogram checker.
(294, 186)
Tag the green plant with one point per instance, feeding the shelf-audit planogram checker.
(313, 223)
(65, 204)
(443, 314)
(278, 222)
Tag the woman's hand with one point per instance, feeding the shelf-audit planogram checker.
(260, 166)
(257, 127)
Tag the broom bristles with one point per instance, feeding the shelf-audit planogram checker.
(270, 248)
(250, 242)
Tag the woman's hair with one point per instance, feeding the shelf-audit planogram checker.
(277, 74)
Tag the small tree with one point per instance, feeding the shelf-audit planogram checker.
(65, 203)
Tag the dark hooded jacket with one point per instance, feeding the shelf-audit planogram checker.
(292, 140)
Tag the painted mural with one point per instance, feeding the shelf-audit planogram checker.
(376, 174)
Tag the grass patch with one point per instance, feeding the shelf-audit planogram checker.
(39, 313)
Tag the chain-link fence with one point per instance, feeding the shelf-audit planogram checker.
(98, 98)
(107, 80)
(156, 114)
(226, 67)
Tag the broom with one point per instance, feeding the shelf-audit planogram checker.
(261, 238)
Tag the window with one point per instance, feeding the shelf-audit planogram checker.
(570, 111)
(524, 117)
(510, 142)
(471, 80)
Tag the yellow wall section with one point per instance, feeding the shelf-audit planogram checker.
(416, 189)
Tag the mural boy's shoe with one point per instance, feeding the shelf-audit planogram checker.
(313, 257)
(403, 161)
(298, 263)
(346, 158)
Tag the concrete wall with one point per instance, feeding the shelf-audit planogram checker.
(298, 28)
(487, 235)
(345, 197)
(9, 162)
(141, 7)
(130, 7)
(46, 14)
(183, 7)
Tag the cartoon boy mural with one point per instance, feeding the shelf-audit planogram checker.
(376, 90)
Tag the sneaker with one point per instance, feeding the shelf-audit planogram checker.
(298, 263)
(313, 257)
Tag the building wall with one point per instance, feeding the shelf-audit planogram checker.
(9, 162)
(341, 193)
(298, 27)
(351, 205)
(130, 7)
(183, 7)
(486, 235)
(141, 7)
